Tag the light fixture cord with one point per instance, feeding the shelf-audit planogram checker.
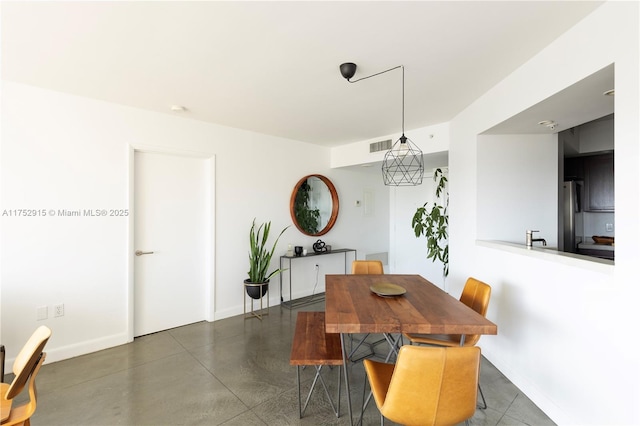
(402, 66)
(382, 72)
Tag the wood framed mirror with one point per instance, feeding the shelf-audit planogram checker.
(314, 205)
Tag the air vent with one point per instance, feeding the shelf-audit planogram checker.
(380, 146)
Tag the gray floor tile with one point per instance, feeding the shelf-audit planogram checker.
(234, 372)
(248, 418)
(173, 390)
(509, 421)
(99, 364)
(527, 412)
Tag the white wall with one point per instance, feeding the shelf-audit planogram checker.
(66, 152)
(596, 224)
(591, 137)
(596, 136)
(565, 329)
(517, 187)
(430, 139)
(409, 253)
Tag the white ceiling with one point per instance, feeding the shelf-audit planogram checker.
(272, 67)
(579, 103)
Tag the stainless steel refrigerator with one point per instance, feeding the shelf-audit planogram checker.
(571, 219)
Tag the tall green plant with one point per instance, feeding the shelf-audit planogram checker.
(434, 223)
(259, 254)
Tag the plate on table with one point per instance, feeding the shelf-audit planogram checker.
(388, 289)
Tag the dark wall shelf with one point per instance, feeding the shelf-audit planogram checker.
(291, 259)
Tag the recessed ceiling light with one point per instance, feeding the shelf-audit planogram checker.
(549, 123)
(178, 108)
(610, 92)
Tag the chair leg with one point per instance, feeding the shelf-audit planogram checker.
(484, 402)
(365, 402)
(394, 345)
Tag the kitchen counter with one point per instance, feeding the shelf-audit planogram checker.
(594, 246)
(595, 264)
(602, 251)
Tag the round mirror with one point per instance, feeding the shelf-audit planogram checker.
(314, 205)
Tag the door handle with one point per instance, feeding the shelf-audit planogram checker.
(140, 252)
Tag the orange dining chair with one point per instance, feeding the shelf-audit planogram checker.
(475, 295)
(367, 267)
(426, 385)
(364, 267)
(25, 368)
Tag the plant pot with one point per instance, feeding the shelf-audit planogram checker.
(253, 289)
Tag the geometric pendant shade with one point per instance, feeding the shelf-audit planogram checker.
(403, 164)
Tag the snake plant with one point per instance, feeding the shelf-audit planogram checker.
(259, 254)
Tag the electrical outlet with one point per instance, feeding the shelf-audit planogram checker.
(42, 313)
(608, 227)
(58, 310)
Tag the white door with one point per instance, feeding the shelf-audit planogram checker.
(171, 222)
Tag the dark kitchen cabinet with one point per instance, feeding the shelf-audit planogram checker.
(599, 183)
(574, 168)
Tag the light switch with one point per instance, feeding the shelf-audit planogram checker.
(609, 227)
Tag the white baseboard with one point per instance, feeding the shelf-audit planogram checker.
(83, 348)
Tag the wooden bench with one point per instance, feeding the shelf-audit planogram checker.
(312, 345)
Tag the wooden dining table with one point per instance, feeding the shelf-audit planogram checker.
(352, 306)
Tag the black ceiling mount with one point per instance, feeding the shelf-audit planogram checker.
(348, 70)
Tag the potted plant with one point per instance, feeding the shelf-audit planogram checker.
(434, 223)
(260, 259)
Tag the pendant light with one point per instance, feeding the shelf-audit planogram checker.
(403, 164)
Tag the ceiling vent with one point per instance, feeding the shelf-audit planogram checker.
(380, 146)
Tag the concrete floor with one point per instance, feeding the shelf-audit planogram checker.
(233, 372)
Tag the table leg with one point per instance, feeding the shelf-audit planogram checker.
(393, 345)
(345, 359)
